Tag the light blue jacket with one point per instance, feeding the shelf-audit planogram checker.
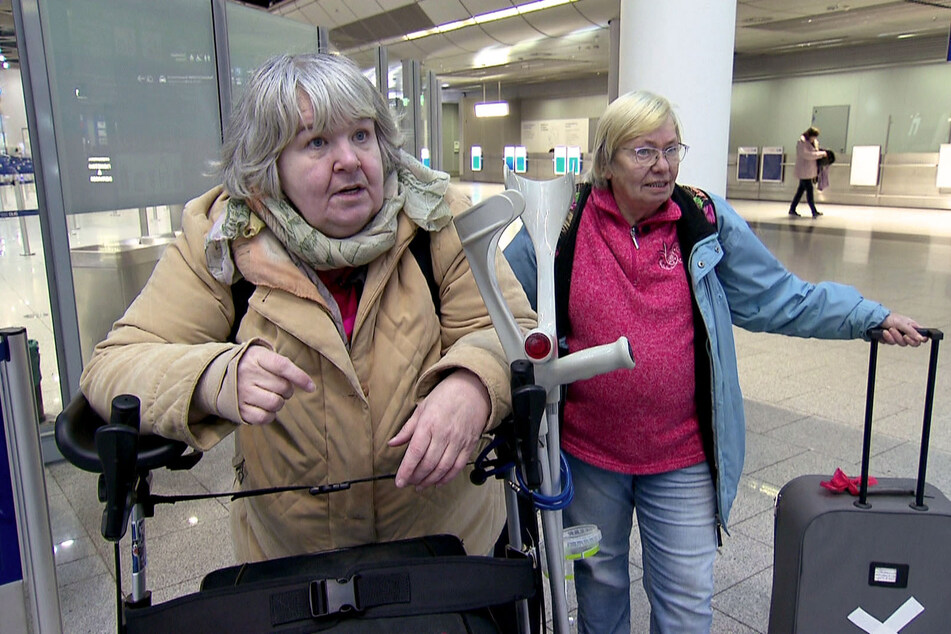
(737, 280)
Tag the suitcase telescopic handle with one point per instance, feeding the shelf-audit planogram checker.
(934, 334)
(875, 335)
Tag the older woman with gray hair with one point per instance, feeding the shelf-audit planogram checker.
(342, 366)
(673, 269)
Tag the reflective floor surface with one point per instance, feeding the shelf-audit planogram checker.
(804, 406)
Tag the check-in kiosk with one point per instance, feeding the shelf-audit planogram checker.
(521, 159)
(508, 153)
(771, 167)
(574, 159)
(560, 159)
(747, 164)
(476, 158)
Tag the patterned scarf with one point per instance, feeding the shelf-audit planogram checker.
(413, 188)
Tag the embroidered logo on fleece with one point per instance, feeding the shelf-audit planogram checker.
(669, 256)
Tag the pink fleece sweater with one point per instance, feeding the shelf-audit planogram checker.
(632, 282)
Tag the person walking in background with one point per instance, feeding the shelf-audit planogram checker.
(807, 153)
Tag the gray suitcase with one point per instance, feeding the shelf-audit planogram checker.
(879, 562)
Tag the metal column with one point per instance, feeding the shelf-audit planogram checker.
(323, 39)
(39, 596)
(435, 120)
(412, 88)
(219, 17)
(383, 72)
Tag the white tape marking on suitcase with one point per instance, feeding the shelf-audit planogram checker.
(893, 624)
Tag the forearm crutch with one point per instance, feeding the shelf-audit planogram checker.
(480, 229)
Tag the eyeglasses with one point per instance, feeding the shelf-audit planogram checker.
(649, 155)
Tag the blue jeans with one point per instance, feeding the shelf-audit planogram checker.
(675, 515)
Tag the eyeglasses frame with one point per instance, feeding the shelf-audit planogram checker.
(657, 153)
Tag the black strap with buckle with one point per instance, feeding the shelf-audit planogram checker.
(400, 587)
(332, 596)
(329, 596)
(408, 587)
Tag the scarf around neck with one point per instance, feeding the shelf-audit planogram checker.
(413, 188)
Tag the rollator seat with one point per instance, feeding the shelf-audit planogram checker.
(75, 433)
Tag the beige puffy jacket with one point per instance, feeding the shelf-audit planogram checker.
(167, 349)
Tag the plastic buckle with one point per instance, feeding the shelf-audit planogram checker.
(330, 596)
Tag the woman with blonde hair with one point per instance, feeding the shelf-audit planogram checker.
(673, 269)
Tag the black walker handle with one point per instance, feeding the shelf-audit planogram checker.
(118, 446)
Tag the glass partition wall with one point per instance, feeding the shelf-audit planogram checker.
(125, 103)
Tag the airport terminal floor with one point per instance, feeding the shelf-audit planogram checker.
(804, 406)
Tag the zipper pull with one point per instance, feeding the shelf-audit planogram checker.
(634, 237)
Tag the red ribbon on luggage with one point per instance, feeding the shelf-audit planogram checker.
(840, 483)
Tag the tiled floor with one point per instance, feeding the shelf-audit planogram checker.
(804, 404)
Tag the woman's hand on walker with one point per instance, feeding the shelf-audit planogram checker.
(443, 431)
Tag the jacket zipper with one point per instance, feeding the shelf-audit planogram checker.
(717, 519)
(634, 237)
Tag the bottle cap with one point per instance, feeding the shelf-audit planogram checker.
(582, 541)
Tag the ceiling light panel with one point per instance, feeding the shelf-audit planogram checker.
(510, 32)
(338, 11)
(554, 22)
(389, 5)
(361, 10)
(822, 21)
(492, 109)
(380, 27)
(444, 11)
(313, 13)
(477, 7)
(597, 12)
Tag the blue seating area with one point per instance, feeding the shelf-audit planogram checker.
(15, 168)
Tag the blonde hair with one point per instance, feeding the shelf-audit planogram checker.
(629, 116)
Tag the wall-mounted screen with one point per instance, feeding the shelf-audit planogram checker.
(747, 164)
(561, 159)
(521, 159)
(476, 158)
(574, 159)
(508, 153)
(771, 167)
(865, 159)
(943, 179)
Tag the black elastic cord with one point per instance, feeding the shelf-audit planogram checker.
(235, 495)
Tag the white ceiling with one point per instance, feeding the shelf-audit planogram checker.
(573, 40)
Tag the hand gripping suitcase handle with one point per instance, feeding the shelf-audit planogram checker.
(875, 335)
(934, 334)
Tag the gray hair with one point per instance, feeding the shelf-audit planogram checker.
(267, 118)
(629, 116)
